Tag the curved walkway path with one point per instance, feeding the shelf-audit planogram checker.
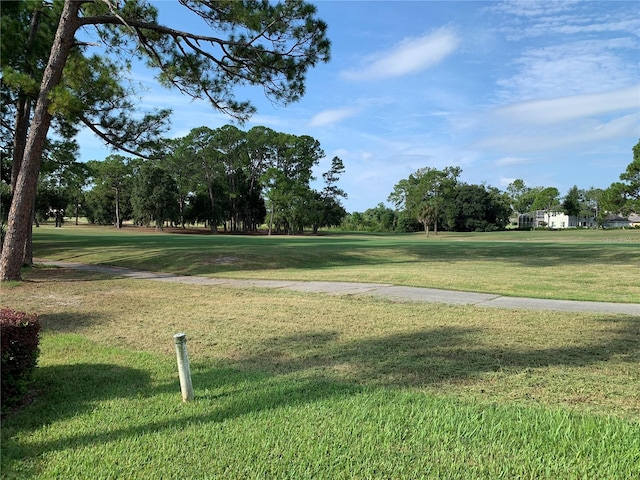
(381, 290)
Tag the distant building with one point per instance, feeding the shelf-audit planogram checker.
(554, 220)
(615, 221)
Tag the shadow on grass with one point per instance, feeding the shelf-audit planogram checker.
(433, 356)
(256, 383)
(40, 273)
(69, 391)
(194, 255)
(68, 322)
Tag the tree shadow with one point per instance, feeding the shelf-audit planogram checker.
(258, 382)
(433, 356)
(316, 253)
(51, 274)
(68, 322)
(71, 390)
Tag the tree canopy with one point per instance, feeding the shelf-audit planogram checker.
(424, 193)
(253, 42)
(220, 176)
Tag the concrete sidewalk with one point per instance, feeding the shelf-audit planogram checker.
(380, 290)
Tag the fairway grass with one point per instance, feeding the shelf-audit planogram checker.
(300, 385)
(573, 265)
(297, 385)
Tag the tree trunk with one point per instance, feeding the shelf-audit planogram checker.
(23, 109)
(118, 222)
(271, 220)
(27, 256)
(212, 200)
(23, 112)
(181, 207)
(25, 188)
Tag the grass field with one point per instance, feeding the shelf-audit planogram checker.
(300, 385)
(573, 265)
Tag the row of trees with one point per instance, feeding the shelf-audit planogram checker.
(239, 179)
(431, 198)
(221, 176)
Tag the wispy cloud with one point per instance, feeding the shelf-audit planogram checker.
(329, 117)
(570, 69)
(570, 108)
(541, 18)
(409, 56)
(546, 139)
(532, 8)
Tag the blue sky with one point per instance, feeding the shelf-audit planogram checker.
(546, 91)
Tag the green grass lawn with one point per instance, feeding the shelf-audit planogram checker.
(300, 385)
(114, 413)
(573, 265)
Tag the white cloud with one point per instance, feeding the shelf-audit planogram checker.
(584, 133)
(329, 117)
(569, 108)
(532, 8)
(541, 18)
(409, 56)
(570, 69)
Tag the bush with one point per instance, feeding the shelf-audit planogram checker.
(18, 354)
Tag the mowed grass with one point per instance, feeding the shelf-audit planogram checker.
(573, 265)
(297, 385)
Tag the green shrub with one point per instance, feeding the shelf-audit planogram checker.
(18, 354)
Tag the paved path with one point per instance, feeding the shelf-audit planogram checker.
(381, 290)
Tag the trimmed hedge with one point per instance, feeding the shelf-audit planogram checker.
(18, 354)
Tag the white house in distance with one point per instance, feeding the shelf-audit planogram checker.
(559, 220)
(554, 220)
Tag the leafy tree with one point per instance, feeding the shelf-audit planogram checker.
(614, 199)
(74, 179)
(592, 200)
(573, 201)
(630, 178)
(423, 195)
(154, 196)
(405, 223)
(331, 178)
(380, 218)
(547, 199)
(183, 173)
(98, 205)
(623, 196)
(327, 210)
(477, 208)
(199, 150)
(272, 45)
(229, 142)
(286, 181)
(114, 174)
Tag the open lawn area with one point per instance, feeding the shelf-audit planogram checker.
(303, 385)
(572, 265)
